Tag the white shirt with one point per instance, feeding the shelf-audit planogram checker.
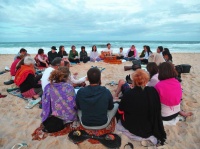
(45, 77)
(121, 53)
(77, 81)
(109, 50)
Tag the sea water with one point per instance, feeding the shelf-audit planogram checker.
(32, 47)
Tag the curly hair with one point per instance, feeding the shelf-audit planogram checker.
(59, 75)
(140, 78)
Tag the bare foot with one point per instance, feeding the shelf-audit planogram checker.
(35, 97)
(185, 114)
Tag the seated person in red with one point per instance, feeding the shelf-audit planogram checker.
(95, 102)
(26, 80)
(41, 59)
(13, 67)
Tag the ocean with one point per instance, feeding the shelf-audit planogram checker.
(32, 47)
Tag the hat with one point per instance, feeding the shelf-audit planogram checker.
(53, 48)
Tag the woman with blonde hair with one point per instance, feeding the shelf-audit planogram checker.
(58, 100)
(140, 111)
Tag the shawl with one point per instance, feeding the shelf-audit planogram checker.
(141, 113)
(22, 74)
(58, 99)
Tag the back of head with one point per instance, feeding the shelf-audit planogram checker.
(152, 68)
(94, 75)
(59, 75)
(56, 61)
(166, 50)
(29, 60)
(166, 71)
(140, 78)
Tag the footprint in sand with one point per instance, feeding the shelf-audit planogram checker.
(182, 128)
(190, 118)
(193, 104)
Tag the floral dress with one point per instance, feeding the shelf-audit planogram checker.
(59, 100)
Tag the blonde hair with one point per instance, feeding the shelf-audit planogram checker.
(140, 78)
(59, 75)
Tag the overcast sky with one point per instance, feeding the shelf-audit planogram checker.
(86, 20)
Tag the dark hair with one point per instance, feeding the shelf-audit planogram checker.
(160, 48)
(167, 53)
(93, 48)
(166, 71)
(60, 48)
(148, 50)
(108, 44)
(121, 48)
(152, 68)
(60, 75)
(73, 46)
(56, 61)
(40, 51)
(94, 75)
(167, 50)
(22, 50)
(82, 47)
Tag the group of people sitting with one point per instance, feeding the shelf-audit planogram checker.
(151, 98)
(44, 60)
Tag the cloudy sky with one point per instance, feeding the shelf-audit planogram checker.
(85, 20)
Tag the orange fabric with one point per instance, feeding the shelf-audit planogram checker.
(38, 134)
(22, 74)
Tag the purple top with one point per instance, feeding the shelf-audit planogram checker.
(61, 98)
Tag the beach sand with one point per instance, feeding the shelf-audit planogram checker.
(17, 123)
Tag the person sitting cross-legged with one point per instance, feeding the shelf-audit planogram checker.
(140, 111)
(95, 103)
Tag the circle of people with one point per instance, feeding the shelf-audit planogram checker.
(152, 98)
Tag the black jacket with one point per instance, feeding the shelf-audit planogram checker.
(142, 113)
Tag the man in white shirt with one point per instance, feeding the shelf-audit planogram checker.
(54, 65)
(109, 49)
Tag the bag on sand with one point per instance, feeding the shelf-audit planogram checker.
(136, 64)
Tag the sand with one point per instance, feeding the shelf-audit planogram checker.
(17, 123)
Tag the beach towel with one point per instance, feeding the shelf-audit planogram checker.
(16, 92)
(38, 134)
(22, 74)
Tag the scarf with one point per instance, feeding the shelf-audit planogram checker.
(22, 74)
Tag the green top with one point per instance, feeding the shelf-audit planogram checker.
(72, 55)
